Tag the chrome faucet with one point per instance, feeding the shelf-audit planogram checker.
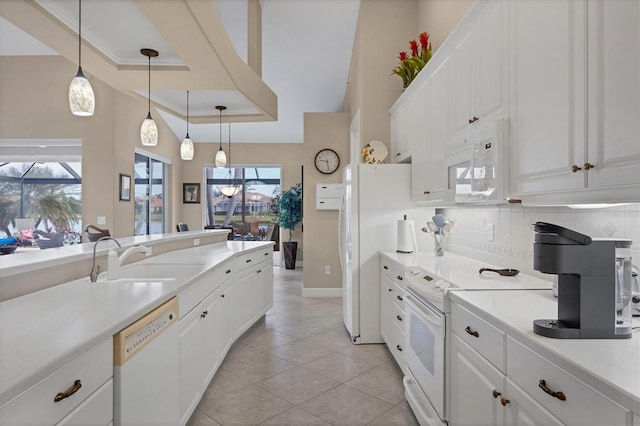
(114, 262)
(95, 269)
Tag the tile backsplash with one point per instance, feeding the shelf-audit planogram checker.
(512, 245)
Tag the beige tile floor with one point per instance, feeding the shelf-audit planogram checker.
(297, 366)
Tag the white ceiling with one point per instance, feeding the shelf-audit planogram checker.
(306, 51)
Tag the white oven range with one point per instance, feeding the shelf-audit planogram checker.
(427, 345)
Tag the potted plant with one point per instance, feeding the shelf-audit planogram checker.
(289, 215)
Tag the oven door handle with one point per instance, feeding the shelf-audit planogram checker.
(425, 312)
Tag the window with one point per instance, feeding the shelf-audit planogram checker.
(249, 211)
(50, 193)
(149, 195)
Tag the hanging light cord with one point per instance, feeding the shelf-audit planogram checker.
(149, 84)
(79, 33)
(187, 114)
(221, 129)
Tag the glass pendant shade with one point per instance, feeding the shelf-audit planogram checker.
(186, 149)
(82, 101)
(229, 191)
(221, 159)
(149, 132)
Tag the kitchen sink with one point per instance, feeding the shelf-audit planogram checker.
(156, 271)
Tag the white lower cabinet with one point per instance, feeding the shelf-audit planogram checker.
(392, 292)
(83, 389)
(477, 387)
(212, 325)
(531, 390)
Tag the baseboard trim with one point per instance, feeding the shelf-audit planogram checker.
(321, 292)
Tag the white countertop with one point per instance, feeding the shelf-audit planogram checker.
(611, 366)
(464, 271)
(43, 331)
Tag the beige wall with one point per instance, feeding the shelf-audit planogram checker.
(33, 104)
(322, 130)
(384, 29)
(440, 17)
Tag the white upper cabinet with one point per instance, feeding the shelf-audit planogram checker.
(614, 93)
(548, 103)
(480, 68)
(575, 101)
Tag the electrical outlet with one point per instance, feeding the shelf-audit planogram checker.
(101, 220)
(327, 270)
(148, 252)
(490, 235)
(196, 241)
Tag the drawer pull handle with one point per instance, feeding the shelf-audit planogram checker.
(228, 271)
(204, 314)
(504, 401)
(390, 290)
(496, 394)
(560, 395)
(426, 192)
(399, 277)
(473, 333)
(259, 270)
(399, 298)
(248, 260)
(66, 394)
(398, 317)
(398, 347)
(266, 254)
(385, 267)
(222, 295)
(575, 168)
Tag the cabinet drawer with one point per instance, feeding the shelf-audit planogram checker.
(36, 405)
(478, 333)
(398, 316)
(398, 295)
(202, 287)
(581, 405)
(396, 345)
(252, 258)
(95, 410)
(392, 271)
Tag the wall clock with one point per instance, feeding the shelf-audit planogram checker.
(327, 161)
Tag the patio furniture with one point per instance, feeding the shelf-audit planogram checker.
(47, 240)
(94, 233)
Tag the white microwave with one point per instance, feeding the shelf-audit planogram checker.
(478, 166)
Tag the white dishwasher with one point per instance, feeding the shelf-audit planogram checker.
(146, 369)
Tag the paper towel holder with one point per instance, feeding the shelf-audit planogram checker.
(407, 242)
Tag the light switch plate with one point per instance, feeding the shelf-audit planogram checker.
(102, 220)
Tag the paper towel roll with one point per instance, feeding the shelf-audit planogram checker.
(406, 237)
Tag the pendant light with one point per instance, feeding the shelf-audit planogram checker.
(82, 101)
(221, 158)
(231, 189)
(186, 148)
(149, 130)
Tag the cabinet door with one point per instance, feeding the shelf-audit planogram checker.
(244, 300)
(224, 318)
(465, 68)
(264, 283)
(522, 410)
(399, 132)
(386, 294)
(614, 93)
(490, 75)
(421, 147)
(548, 105)
(191, 362)
(211, 342)
(440, 131)
(474, 382)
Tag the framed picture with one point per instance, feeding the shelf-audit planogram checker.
(191, 193)
(125, 187)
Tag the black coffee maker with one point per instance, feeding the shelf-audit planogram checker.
(594, 283)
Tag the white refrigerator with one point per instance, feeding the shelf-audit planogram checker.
(376, 196)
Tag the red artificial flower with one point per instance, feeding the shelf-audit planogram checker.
(402, 56)
(424, 41)
(414, 47)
